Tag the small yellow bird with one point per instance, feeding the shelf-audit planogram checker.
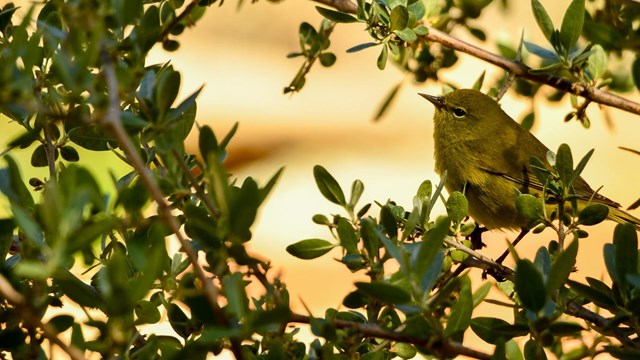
(487, 155)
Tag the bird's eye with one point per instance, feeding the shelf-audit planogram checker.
(459, 112)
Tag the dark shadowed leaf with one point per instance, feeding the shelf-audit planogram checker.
(336, 16)
(635, 72)
(562, 267)
(387, 101)
(625, 240)
(384, 292)
(593, 294)
(593, 214)
(362, 46)
(529, 286)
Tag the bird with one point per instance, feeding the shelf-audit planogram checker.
(487, 156)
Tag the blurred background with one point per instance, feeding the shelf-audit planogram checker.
(239, 54)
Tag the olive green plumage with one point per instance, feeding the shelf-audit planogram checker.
(487, 154)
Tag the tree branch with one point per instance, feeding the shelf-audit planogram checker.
(513, 67)
(18, 301)
(446, 348)
(112, 121)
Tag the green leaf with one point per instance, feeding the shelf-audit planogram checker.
(430, 254)
(528, 121)
(336, 16)
(233, 287)
(431, 245)
(598, 297)
(563, 328)
(178, 320)
(421, 30)
(406, 34)
(62, 322)
(12, 185)
(530, 286)
(347, 235)
(564, 165)
(39, 157)
(550, 69)
(69, 153)
(78, 291)
(384, 292)
(266, 190)
(310, 248)
(625, 240)
(581, 165)
(460, 316)
(530, 207)
(481, 293)
(207, 142)
(146, 312)
(327, 59)
(28, 225)
(494, 330)
(382, 58)
(399, 18)
(478, 84)
(572, 24)
(593, 214)
(387, 102)
(166, 90)
(91, 137)
(362, 46)
(457, 207)
(543, 19)
(597, 62)
(370, 236)
(244, 208)
(404, 350)
(541, 52)
(357, 188)
(562, 267)
(328, 186)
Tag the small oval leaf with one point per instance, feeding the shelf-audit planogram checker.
(310, 248)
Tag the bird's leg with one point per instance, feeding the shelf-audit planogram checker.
(520, 236)
(476, 237)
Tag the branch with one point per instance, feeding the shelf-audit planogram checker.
(112, 121)
(18, 301)
(175, 21)
(446, 348)
(513, 67)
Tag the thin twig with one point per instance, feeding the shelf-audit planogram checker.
(113, 122)
(213, 210)
(445, 348)
(18, 301)
(513, 67)
(187, 11)
(50, 152)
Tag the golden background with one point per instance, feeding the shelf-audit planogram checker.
(240, 57)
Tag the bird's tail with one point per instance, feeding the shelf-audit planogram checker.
(621, 216)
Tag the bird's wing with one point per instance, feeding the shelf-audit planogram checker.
(526, 180)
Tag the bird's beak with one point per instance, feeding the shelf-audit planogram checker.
(437, 101)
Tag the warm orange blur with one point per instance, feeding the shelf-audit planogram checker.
(240, 57)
